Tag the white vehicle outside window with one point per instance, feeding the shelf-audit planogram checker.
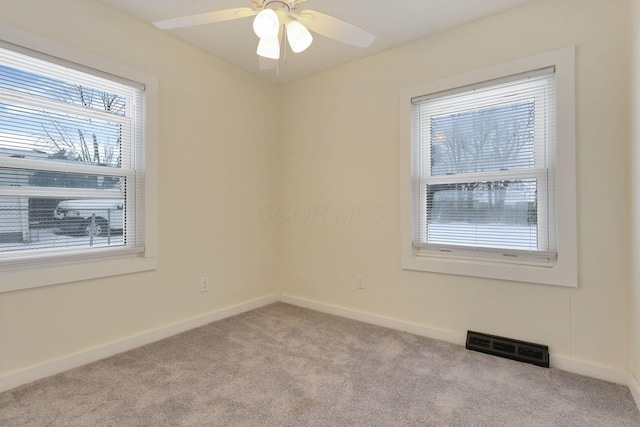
(90, 217)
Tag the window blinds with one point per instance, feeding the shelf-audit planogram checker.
(483, 169)
(71, 169)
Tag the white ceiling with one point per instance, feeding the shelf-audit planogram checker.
(394, 22)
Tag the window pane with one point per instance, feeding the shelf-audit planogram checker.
(69, 93)
(26, 178)
(494, 214)
(482, 140)
(40, 134)
(37, 224)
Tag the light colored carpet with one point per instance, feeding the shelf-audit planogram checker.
(287, 366)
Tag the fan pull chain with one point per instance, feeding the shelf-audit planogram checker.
(284, 44)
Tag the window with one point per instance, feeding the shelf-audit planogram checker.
(73, 168)
(483, 177)
(483, 172)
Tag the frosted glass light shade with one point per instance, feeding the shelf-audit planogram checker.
(266, 24)
(299, 37)
(269, 48)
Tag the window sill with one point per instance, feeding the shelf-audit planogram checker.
(558, 274)
(47, 276)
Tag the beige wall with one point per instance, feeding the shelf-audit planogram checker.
(340, 158)
(217, 167)
(635, 194)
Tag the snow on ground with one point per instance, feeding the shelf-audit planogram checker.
(484, 235)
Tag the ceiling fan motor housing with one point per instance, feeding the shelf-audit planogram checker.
(287, 6)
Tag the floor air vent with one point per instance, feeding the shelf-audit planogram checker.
(511, 349)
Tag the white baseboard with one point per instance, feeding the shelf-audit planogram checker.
(589, 369)
(457, 337)
(454, 337)
(65, 363)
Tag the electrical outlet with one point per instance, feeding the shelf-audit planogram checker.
(360, 281)
(204, 284)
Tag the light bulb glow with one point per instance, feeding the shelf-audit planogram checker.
(269, 48)
(266, 24)
(299, 37)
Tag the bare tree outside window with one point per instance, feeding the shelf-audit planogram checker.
(492, 139)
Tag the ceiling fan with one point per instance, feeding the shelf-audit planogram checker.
(275, 20)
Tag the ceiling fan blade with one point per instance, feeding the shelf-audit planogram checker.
(334, 28)
(206, 18)
(267, 63)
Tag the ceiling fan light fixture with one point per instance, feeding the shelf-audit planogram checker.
(266, 24)
(269, 48)
(275, 18)
(299, 37)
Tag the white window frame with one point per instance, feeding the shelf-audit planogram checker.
(111, 262)
(562, 272)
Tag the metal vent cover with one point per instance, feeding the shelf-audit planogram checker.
(522, 351)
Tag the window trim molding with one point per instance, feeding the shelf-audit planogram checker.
(52, 273)
(565, 270)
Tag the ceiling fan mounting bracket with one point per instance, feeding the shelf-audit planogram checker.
(287, 6)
